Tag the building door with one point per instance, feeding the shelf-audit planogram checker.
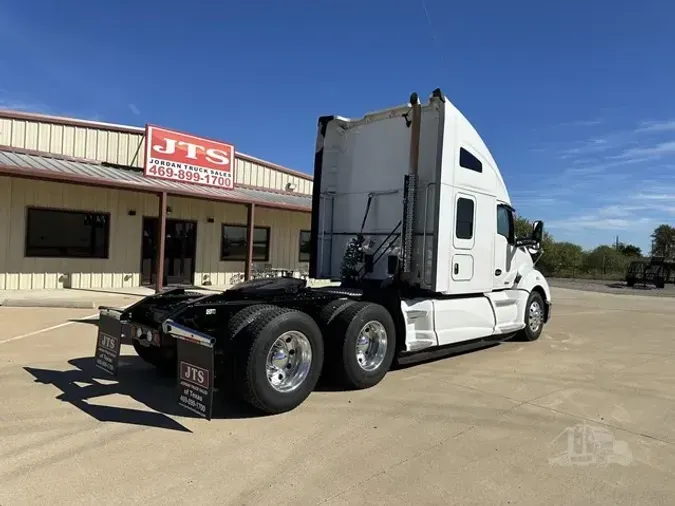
(179, 251)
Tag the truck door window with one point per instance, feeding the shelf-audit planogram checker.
(505, 224)
(464, 225)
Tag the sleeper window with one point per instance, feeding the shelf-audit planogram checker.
(468, 161)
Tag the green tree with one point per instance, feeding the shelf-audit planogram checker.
(606, 261)
(548, 259)
(629, 250)
(566, 259)
(663, 241)
(523, 228)
(570, 258)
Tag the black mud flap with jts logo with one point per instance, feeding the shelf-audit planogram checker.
(195, 369)
(109, 340)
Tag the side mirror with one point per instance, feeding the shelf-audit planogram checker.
(534, 241)
(538, 231)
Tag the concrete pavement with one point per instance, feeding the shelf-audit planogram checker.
(582, 416)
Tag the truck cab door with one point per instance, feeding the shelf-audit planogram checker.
(505, 248)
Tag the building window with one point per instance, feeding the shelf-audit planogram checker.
(469, 161)
(234, 243)
(55, 233)
(464, 225)
(305, 246)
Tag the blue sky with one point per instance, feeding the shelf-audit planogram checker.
(576, 100)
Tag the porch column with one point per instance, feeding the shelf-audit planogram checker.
(161, 239)
(248, 266)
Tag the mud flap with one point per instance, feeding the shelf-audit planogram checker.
(195, 359)
(111, 331)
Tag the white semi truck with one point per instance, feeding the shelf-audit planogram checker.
(411, 216)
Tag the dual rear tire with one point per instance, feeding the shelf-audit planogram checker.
(276, 358)
(361, 341)
(277, 354)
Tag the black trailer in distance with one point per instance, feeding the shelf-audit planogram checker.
(655, 270)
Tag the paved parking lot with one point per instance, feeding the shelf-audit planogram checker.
(586, 415)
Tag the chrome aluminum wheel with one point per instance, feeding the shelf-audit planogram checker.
(289, 361)
(536, 316)
(371, 346)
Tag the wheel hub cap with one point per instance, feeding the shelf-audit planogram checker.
(371, 346)
(289, 361)
(280, 358)
(535, 316)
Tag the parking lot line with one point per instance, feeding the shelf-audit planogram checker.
(46, 329)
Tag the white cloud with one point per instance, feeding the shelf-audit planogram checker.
(597, 145)
(611, 181)
(655, 196)
(598, 223)
(644, 154)
(134, 110)
(17, 102)
(20, 102)
(656, 126)
(619, 210)
(543, 201)
(582, 123)
(612, 217)
(597, 169)
(627, 144)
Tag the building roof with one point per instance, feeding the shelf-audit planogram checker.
(113, 127)
(34, 165)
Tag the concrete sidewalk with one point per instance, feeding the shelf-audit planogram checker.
(71, 298)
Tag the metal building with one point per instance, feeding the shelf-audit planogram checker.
(76, 211)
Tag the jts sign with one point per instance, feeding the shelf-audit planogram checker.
(188, 159)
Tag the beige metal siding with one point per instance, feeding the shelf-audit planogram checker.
(123, 148)
(5, 226)
(122, 268)
(284, 226)
(254, 174)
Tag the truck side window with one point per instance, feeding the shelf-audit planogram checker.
(469, 161)
(505, 225)
(464, 225)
